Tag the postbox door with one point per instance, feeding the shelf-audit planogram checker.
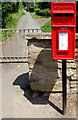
(63, 43)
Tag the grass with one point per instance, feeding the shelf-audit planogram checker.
(5, 35)
(47, 26)
(35, 16)
(1, 36)
(12, 20)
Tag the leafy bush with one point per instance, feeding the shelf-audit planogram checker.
(35, 16)
(22, 12)
(45, 12)
(8, 8)
(36, 5)
(12, 20)
(42, 8)
(42, 5)
(31, 9)
(11, 8)
(37, 11)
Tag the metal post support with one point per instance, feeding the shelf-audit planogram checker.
(64, 85)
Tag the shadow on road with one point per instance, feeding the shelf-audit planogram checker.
(35, 97)
(40, 70)
(22, 81)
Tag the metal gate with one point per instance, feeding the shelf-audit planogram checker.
(14, 46)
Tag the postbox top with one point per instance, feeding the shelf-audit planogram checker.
(63, 3)
(63, 7)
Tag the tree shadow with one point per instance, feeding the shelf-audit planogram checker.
(38, 86)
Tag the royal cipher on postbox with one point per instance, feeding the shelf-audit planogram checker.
(63, 17)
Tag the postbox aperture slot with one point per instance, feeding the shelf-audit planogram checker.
(63, 14)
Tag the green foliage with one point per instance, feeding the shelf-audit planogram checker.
(21, 9)
(36, 5)
(8, 13)
(29, 6)
(40, 12)
(5, 35)
(7, 9)
(21, 6)
(42, 9)
(11, 12)
(1, 35)
(43, 5)
(47, 26)
(12, 20)
(31, 9)
(35, 16)
(37, 11)
(45, 12)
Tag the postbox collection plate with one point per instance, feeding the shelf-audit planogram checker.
(63, 43)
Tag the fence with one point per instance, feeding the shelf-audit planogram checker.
(14, 47)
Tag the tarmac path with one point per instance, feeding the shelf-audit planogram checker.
(30, 23)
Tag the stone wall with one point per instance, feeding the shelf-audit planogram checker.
(71, 74)
(45, 74)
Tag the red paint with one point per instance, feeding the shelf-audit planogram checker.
(63, 17)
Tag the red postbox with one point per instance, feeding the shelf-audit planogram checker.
(63, 17)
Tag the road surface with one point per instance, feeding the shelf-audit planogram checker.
(30, 23)
(17, 101)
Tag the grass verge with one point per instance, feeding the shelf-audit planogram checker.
(35, 16)
(47, 26)
(12, 21)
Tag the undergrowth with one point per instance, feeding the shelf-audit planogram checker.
(12, 21)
